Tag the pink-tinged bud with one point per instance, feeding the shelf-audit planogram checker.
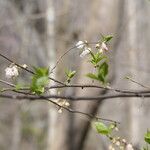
(104, 47)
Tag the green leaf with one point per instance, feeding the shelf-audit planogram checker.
(42, 81)
(147, 137)
(41, 71)
(100, 58)
(102, 128)
(102, 72)
(96, 58)
(72, 74)
(112, 126)
(92, 76)
(107, 38)
(39, 80)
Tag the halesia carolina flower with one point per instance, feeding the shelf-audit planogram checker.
(11, 72)
(80, 44)
(85, 52)
(103, 47)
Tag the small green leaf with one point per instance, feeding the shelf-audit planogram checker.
(111, 127)
(72, 74)
(107, 38)
(147, 137)
(92, 76)
(40, 79)
(102, 128)
(96, 58)
(41, 71)
(102, 72)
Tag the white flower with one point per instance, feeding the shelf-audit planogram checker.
(103, 47)
(80, 44)
(24, 66)
(85, 52)
(129, 147)
(101, 50)
(11, 72)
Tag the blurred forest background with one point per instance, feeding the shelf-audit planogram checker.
(37, 33)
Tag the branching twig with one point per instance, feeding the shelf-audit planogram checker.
(83, 86)
(76, 98)
(7, 83)
(47, 99)
(66, 52)
(11, 61)
(142, 85)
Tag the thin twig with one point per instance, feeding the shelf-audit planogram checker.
(142, 85)
(7, 83)
(99, 87)
(66, 52)
(55, 103)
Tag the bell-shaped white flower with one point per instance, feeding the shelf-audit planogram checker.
(80, 44)
(103, 47)
(85, 52)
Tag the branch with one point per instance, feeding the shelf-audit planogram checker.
(66, 52)
(82, 86)
(75, 98)
(55, 103)
(140, 84)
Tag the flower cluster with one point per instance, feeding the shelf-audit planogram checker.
(121, 143)
(84, 47)
(102, 47)
(11, 71)
(62, 103)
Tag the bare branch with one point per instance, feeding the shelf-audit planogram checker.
(142, 85)
(83, 86)
(76, 98)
